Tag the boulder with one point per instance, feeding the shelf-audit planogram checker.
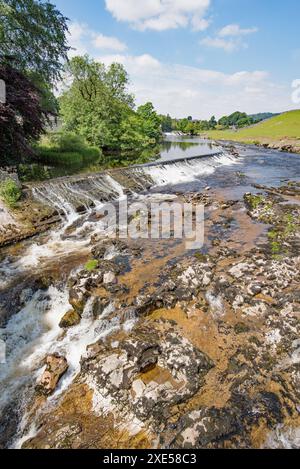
(70, 319)
(109, 277)
(56, 366)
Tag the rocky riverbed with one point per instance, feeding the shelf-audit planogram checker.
(196, 349)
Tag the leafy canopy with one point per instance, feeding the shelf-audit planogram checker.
(33, 35)
(97, 105)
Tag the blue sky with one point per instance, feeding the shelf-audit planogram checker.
(195, 57)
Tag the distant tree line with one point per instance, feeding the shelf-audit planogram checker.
(191, 126)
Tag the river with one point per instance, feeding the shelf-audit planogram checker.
(30, 328)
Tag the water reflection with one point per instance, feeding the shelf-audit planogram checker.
(173, 147)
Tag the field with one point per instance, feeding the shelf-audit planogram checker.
(279, 131)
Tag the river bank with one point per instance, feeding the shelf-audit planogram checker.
(286, 145)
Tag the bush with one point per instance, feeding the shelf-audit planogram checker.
(66, 149)
(10, 192)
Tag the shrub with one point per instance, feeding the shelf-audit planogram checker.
(66, 149)
(10, 192)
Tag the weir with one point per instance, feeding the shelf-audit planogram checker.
(82, 192)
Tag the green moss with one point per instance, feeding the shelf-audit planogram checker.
(254, 200)
(91, 265)
(201, 257)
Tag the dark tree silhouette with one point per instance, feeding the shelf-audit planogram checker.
(22, 116)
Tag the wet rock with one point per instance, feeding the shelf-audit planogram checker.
(77, 299)
(70, 319)
(254, 289)
(56, 366)
(99, 306)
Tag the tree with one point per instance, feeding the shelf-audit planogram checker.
(22, 116)
(96, 102)
(150, 123)
(98, 106)
(190, 128)
(212, 122)
(33, 47)
(166, 123)
(33, 34)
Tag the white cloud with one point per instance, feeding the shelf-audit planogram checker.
(106, 42)
(139, 64)
(82, 39)
(229, 38)
(160, 15)
(182, 90)
(236, 30)
(219, 43)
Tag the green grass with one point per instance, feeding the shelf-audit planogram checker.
(10, 192)
(67, 158)
(66, 149)
(284, 126)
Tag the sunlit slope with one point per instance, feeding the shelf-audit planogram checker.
(284, 126)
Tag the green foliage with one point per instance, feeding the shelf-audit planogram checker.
(66, 149)
(98, 107)
(150, 123)
(10, 192)
(189, 126)
(91, 265)
(33, 34)
(237, 120)
(255, 200)
(166, 123)
(33, 48)
(281, 127)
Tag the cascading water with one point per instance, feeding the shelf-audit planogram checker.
(34, 331)
(182, 171)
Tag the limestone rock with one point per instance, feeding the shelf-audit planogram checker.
(56, 366)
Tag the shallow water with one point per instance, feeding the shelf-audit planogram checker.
(33, 331)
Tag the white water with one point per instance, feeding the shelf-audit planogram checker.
(6, 218)
(34, 331)
(189, 170)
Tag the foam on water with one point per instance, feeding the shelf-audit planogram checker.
(34, 333)
(183, 171)
(28, 334)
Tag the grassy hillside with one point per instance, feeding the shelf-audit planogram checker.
(283, 127)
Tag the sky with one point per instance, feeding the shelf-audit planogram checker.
(195, 57)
